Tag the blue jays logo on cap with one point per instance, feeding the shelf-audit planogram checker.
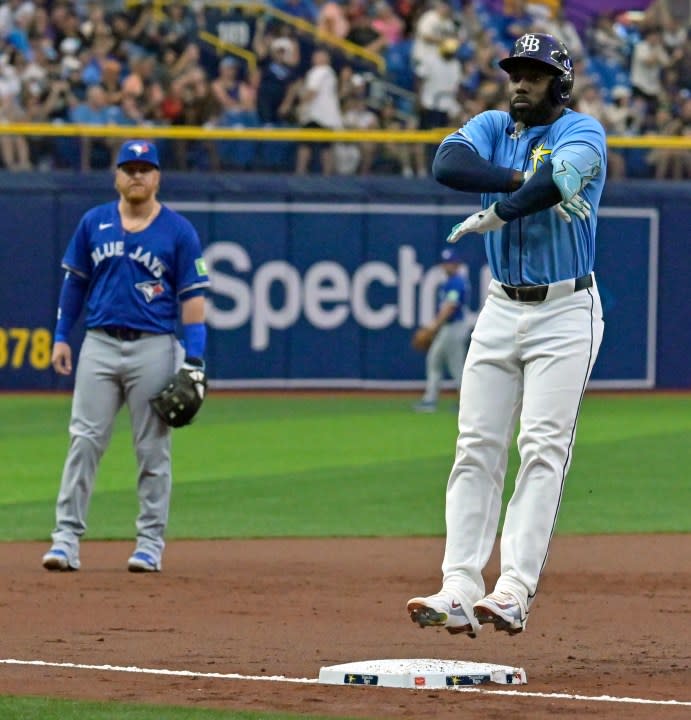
(450, 255)
(138, 151)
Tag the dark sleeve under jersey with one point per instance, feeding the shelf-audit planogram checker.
(458, 166)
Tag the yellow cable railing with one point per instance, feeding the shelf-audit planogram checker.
(222, 46)
(255, 8)
(190, 132)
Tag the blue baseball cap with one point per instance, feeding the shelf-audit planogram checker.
(138, 151)
(450, 255)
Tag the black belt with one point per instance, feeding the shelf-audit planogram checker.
(537, 293)
(122, 333)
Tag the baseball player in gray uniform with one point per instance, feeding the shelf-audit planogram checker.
(137, 268)
(541, 169)
(451, 327)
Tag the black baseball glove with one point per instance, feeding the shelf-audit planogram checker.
(181, 398)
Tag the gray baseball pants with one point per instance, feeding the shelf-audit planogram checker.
(111, 373)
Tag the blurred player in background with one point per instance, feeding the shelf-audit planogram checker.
(541, 169)
(135, 265)
(451, 327)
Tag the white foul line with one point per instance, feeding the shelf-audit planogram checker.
(311, 681)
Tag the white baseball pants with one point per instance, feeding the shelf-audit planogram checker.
(528, 360)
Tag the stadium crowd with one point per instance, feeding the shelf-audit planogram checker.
(143, 64)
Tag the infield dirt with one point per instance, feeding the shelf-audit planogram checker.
(612, 617)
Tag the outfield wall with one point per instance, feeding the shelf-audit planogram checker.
(319, 282)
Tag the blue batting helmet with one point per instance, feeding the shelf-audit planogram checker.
(550, 51)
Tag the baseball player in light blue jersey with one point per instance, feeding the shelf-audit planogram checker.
(541, 169)
(451, 327)
(137, 267)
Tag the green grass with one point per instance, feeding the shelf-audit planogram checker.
(260, 466)
(14, 708)
(315, 466)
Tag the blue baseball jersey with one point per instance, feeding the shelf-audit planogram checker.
(453, 291)
(136, 278)
(540, 248)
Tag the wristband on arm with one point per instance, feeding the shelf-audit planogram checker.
(194, 340)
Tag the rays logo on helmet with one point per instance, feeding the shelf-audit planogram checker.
(150, 289)
(530, 43)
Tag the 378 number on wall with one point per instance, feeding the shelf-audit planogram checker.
(20, 347)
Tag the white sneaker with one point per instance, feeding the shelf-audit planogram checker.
(502, 610)
(443, 610)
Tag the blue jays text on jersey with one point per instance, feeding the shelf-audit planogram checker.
(136, 278)
(540, 248)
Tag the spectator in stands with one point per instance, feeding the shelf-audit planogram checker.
(71, 69)
(283, 36)
(128, 112)
(111, 81)
(605, 44)
(41, 34)
(439, 76)
(18, 37)
(672, 163)
(433, 26)
(144, 32)
(591, 102)
(236, 98)
(14, 149)
(142, 83)
(95, 24)
(351, 158)
(683, 65)
(560, 26)
(514, 22)
(389, 25)
(648, 61)
(7, 16)
(481, 66)
(362, 33)
(96, 153)
(200, 108)
(120, 29)
(179, 28)
(399, 158)
(331, 18)
(621, 118)
(319, 109)
(277, 73)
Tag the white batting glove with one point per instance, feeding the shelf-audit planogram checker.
(576, 206)
(481, 222)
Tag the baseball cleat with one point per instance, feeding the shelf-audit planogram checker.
(442, 610)
(141, 562)
(502, 610)
(425, 406)
(56, 559)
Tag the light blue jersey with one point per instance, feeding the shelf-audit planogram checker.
(540, 248)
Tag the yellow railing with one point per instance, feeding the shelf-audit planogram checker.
(229, 48)
(188, 132)
(254, 8)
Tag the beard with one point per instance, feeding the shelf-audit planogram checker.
(539, 114)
